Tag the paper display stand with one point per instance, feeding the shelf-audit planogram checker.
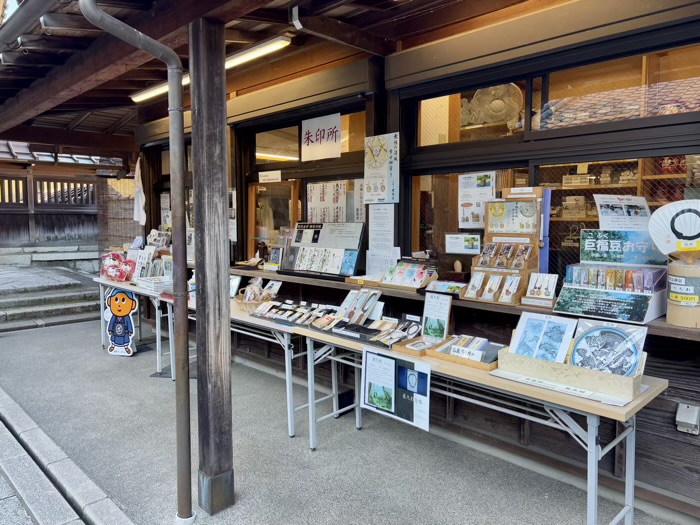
(406, 272)
(437, 310)
(570, 379)
(324, 250)
(617, 304)
(512, 224)
(443, 353)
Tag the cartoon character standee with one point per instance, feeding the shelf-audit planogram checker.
(121, 305)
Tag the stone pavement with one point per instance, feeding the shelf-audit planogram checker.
(39, 483)
(11, 510)
(116, 423)
(23, 279)
(25, 491)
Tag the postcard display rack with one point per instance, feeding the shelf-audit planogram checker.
(511, 249)
(598, 360)
(329, 250)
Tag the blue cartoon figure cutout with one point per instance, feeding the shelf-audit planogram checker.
(121, 305)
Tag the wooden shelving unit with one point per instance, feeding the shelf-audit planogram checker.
(592, 187)
(566, 219)
(665, 177)
(656, 327)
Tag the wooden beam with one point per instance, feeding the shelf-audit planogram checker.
(441, 16)
(144, 74)
(78, 120)
(121, 122)
(32, 72)
(126, 85)
(62, 137)
(267, 16)
(346, 34)
(137, 5)
(52, 43)
(210, 163)
(58, 23)
(320, 7)
(236, 36)
(15, 58)
(108, 58)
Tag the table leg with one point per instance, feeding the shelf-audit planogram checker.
(358, 397)
(171, 339)
(312, 394)
(630, 457)
(103, 323)
(334, 383)
(159, 355)
(593, 457)
(290, 384)
(138, 328)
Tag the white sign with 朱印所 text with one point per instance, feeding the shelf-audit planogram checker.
(382, 169)
(321, 138)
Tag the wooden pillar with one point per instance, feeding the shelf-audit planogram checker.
(210, 144)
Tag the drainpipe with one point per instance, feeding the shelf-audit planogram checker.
(99, 18)
(21, 21)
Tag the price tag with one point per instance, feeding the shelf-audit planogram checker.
(688, 246)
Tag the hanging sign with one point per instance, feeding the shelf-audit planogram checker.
(474, 190)
(397, 388)
(320, 138)
(382, 169)
(270, 176)
(120, 305)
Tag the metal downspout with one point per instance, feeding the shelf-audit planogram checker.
(21, 21)
(99, 18)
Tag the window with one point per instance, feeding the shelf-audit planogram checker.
(437, 209)
(279, 145)
(282, 145)
(272, 207)
(335, 201)
(660, 180)
(352, 132)
(641, 86)
(483, 114)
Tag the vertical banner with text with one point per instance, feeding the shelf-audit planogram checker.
(382, 169)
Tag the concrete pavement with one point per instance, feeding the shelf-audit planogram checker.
(117, 424)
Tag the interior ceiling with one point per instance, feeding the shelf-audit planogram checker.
(377, 27)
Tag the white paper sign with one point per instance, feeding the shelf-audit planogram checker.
(398, 388)
(474, 190)
(382, 169)
(321, 138)
(436, 316)
(270, 176)
(378, 263)
(462, 243)
(381, 227)
(622, 212)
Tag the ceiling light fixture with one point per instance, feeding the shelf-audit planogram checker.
(256, 51)
(271, 156)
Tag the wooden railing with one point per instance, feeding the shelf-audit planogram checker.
(62, 193)
(13, 192)
(43, 208)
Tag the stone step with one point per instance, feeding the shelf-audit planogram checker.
(47, 297)
(48, 310)
(27, 324)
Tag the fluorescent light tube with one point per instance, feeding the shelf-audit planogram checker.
(256, 51)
